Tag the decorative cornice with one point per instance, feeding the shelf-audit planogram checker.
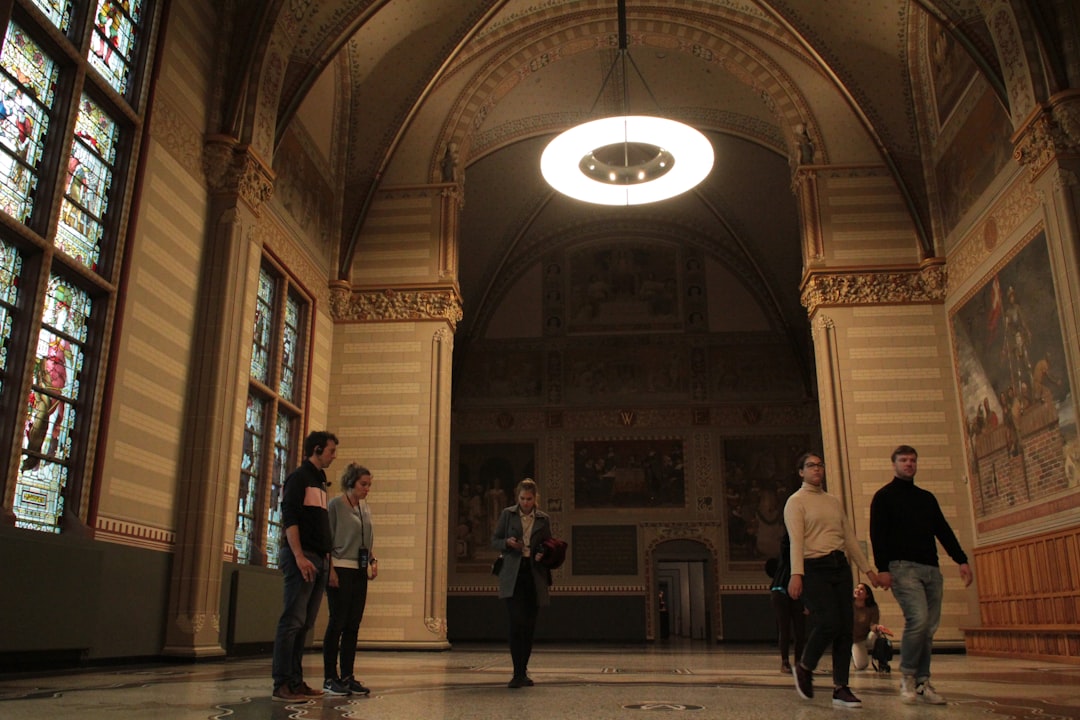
(233, 168)
(1053, 132)
(390, 304)
(923, 284)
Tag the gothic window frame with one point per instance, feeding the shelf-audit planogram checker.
(257, 519)
(78, 92)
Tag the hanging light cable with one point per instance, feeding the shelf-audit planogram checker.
(626, 159)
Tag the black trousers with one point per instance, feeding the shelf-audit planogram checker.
(523, 609)
(346, 603)
(827, 594)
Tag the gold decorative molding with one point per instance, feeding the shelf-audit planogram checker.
(1010, 213)
(391, 304)
(925, 283)
(1053, 132)
(233, 168)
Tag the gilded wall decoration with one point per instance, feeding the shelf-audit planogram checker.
(927, 284)
(347, 304)
(303, 191)
(1022, 448)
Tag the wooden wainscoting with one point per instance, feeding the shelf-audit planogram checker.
(1029, 598)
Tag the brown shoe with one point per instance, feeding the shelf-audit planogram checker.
(284, 693)
(308, 691)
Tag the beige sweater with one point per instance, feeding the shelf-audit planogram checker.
(817, 526)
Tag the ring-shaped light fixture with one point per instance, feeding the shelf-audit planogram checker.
(663, 158)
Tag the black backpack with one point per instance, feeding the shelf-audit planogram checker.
(881, 654)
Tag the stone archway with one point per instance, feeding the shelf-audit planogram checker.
(682, 542)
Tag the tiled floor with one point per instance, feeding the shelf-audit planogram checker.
(571, 682)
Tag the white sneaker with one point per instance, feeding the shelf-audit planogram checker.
(907, 689)
(926, 693)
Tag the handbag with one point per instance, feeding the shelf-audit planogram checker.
(553, 553)
(496, 567)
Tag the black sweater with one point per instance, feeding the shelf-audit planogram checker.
(904, 520)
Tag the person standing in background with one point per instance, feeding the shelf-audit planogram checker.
(523, 581)
(351, 565)
(905, 520)
(822, 542)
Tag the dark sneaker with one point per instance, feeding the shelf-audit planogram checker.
(515, 683)
(284, 693)
(843, 697)
(333, 686)
(804, 681)
(527, 681)
(355, 686)
(926, 693)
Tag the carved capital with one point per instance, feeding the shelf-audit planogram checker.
(1052, 133)
(390, 304)
(924, 284)
(232, 168)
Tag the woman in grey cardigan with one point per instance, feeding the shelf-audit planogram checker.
(523, 581)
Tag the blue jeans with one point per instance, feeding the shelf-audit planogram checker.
(918, 589)
(301, 607)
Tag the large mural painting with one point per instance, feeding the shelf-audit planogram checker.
(1020, 416)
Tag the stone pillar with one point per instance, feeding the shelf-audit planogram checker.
(238, 183)
(390, 407)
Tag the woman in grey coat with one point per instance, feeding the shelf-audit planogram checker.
(523, 581)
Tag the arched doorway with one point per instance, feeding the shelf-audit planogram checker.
(683, 590)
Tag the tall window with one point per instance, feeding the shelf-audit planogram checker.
(72, 103)
(272, 425)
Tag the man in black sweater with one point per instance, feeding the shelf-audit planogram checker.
(904, 522)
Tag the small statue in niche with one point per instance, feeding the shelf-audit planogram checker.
(806, 146)
(450, 171)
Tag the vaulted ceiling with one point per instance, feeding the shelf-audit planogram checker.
(500, 78)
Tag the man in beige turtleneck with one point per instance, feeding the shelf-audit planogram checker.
(822, 542)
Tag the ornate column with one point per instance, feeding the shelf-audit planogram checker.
(238, 183)
(403, 435)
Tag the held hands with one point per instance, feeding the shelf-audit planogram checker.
(373, 569)
(884, 580)
(966, 574)
(873, 578)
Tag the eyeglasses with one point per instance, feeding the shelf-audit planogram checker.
(814, 465)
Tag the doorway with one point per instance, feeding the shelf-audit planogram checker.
(683, 590)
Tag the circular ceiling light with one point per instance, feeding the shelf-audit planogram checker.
(629, 160)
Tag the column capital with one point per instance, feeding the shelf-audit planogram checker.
(232, 167)
(1050, 133)
(922, 284)
(348, 303)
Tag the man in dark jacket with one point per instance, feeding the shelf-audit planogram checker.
(905, 520)
(304, 561)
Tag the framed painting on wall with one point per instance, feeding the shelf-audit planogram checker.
(759, 476)
(486, 476)
(1020, 419)
(629, 473)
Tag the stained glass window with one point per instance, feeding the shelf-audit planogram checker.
(277, 352)
(27, 82)
(247, 514)
(10, 269)
(112, 45)
(89, 176)
(264, 326)
(51, 407)
(58, 12)
(283, 452)
(289, 340)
